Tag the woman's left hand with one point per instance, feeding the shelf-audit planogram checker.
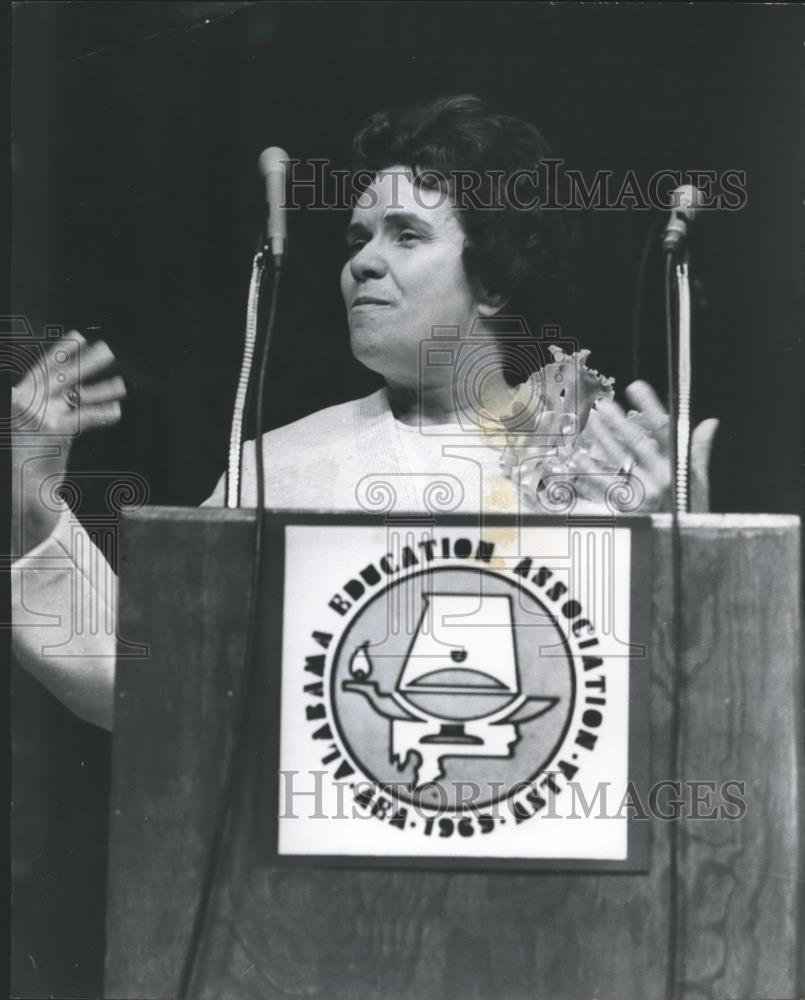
(617, 447)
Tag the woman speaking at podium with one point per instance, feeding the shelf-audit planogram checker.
(434, 265)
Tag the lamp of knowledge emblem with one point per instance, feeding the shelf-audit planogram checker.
(451, 678)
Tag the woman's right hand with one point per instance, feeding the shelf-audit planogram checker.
(69, 391)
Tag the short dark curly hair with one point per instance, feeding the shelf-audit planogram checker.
(513, 250)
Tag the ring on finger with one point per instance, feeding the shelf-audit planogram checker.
(72, 397)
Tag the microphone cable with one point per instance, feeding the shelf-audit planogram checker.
(677, 624)
(240, 733)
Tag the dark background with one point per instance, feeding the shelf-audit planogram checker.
(136, 128)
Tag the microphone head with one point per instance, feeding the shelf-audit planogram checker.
(272, 163)
(272, 160)
(686, 200)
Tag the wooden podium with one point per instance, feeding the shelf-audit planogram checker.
(278, 932)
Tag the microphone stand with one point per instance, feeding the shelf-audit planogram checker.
(684, 378)
(677, 320)
(235, 463)
(273, 244)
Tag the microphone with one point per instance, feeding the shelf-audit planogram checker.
(272, 167)
(687, 202)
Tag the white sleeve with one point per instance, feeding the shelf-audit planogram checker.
(64, 610)
(217, 497)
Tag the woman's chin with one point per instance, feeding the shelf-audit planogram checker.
(368, 346)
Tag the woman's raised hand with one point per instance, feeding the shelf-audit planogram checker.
(635, 447)
(71, 389)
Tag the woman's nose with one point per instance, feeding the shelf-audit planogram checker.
(368, 262)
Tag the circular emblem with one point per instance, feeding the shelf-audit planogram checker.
(452, 687)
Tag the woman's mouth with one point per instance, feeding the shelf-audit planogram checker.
(369, 300)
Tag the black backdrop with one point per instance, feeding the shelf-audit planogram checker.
(136, 204)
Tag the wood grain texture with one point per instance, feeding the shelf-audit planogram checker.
(282, 934)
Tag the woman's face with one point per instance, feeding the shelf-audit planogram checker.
(404, 275)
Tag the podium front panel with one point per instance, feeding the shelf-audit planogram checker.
(279, 931)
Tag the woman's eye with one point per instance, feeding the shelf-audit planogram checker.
(408, 236)
(354, 246)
